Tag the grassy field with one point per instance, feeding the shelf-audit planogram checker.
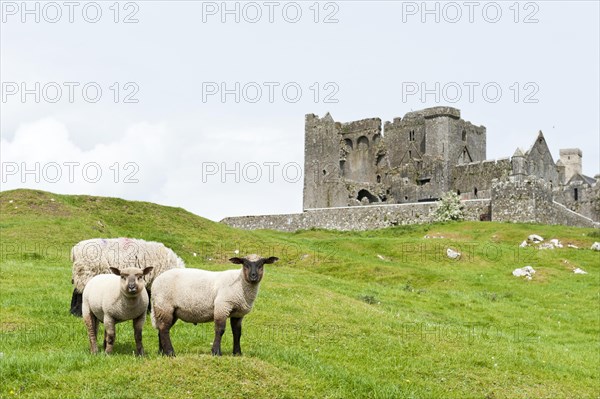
(377, 314)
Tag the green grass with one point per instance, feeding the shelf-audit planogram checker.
(333, 319)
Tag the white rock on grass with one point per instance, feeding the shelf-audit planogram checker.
(452, 254)
(596, 246)
(535, 238)
(556, 243)
(573, 246)
(579, 271)
(524, 244)
(526, 272)
(547, 245)
(380, 257)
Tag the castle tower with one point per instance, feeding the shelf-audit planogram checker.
(439, 125)
(323, 187)
(571, 159)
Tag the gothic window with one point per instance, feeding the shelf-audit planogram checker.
(411, 135)
(575, 194)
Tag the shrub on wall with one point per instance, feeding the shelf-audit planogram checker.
(449, 208)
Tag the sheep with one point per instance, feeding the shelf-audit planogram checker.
(200, 296)
(110, 299)
(95, 256)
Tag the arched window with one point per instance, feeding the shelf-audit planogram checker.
(464, 135)
(348, 144)
(363, 143)
(367, 196)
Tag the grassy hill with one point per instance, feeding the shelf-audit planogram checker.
(378, 314)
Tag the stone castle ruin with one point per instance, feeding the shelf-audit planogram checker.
(362, 174)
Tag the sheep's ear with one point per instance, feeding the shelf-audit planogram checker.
(116, 271)
(147, 270)
(237, 261)
(272, 259)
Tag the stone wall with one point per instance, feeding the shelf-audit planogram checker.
(474, 180)
(581, 198)
(532, 201)
(354, 218)
(527, 201)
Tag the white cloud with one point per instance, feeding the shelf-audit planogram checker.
(242, 169)
(42, 155)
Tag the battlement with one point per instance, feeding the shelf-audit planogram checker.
(569, 151)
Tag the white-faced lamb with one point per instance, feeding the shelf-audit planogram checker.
(200, 296)
(93, 257)
(113, 298)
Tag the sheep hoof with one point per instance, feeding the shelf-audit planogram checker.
(237, 353)
(216, 353)
(169, 353)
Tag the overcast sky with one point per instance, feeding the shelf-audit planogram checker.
(201, 106)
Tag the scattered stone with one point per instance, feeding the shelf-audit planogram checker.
(547, 245)
(579, 271)
(556, 243)
(381, 257)
(194, 254)
(10, 202)
(596, 246)
(526, 272)
(304, 256)
(52, 199)
(573, 246)
(433, 236)
(535, 238)
(452, 254)
(237, 251)
(524, 244)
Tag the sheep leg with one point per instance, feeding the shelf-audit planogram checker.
(92, 326)
(138, 324)
(165, 346)
(236, 328)
(109, 335)
(220, 325)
